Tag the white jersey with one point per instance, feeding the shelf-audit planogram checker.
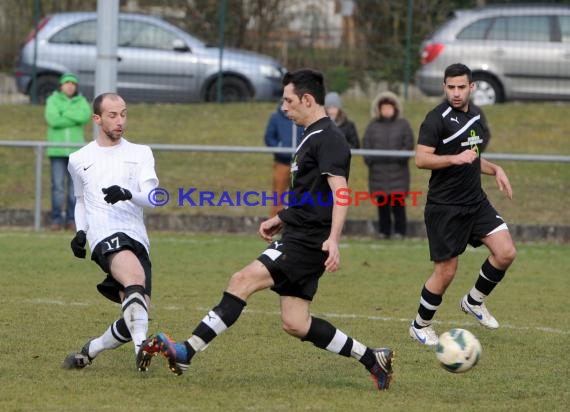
(95, 167)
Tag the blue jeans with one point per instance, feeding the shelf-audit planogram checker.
(59, 174)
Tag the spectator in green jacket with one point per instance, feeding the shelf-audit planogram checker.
(66, 113)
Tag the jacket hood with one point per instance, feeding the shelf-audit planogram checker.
(375, 112)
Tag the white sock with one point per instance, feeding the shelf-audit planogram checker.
(113, 337)
(477, 295)
(135, 314)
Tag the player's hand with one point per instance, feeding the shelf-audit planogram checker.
(466, 156)
(270, 227)
(333, 261)
(115, 193)
(78, 244)
(503, 182)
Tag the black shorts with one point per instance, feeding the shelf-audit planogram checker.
(295, 265)
(110, 288)
(450, 228)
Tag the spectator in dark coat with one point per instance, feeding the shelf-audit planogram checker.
(333, 106)
(389, 177)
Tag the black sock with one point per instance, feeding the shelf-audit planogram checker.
(489, 277)
(220, 318)
(429, 303)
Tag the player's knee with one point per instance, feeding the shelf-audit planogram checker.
(293, 328)
(140, 279)
(512, 253)
(238, 278)
(507, 255)
(136, 280)
(239, 285)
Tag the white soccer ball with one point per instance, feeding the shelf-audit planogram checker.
(458, 350)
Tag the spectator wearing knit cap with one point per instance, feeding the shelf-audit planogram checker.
(66, 114)
(333, 106)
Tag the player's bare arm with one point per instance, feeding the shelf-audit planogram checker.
(501, 178)
(427, 159)
(270, 227)
(338, 218)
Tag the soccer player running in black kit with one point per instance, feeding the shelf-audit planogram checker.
(309, 245)
(458, 212)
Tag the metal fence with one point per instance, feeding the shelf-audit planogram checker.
(40, 146)
(356, 47)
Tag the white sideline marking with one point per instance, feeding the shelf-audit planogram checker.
(408, 320)
(55, 302)
(328, 315)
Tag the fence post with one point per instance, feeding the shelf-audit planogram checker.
(410, 22)
(34, 86)
(38, 206)
(221, 29)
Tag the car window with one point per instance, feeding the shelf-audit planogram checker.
(521, 28)
(84, 32)
(141, 34)
(499, 30)
(565, 29)
(475, 31)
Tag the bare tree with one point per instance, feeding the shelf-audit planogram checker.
(268, 19)
(382, 25)
(19, 19)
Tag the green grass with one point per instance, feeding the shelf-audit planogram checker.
(517, 128)
(50, 307)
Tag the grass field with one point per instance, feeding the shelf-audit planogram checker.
(50, 307)
(539, 188)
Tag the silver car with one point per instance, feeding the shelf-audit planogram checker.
(515, 52)
(157, 62)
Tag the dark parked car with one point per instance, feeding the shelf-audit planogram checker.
(157, 62)
(514, 51)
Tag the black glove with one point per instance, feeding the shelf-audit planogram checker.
(115, 193)
(78, 244)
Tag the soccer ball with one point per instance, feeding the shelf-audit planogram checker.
(458, 350)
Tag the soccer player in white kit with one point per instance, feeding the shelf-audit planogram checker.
(112, 180)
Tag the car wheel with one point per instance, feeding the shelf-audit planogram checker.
(45, 86)
(487, 90)
(233, 90)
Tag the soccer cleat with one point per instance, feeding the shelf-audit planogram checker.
(80, 359)
(382, 371)
(145, 354)
(480, 313)
(175, 352)
(425, 335)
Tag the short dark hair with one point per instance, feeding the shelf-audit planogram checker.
(307, 81)
(99, 100)
(456, 70)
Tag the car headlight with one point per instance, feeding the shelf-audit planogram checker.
(270, 71)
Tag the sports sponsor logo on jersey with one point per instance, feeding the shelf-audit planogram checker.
(473, 141)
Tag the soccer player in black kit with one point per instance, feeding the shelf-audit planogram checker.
(292, 266)
(457, 211)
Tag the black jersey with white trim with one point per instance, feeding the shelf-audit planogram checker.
(323, 152)
(450, 132)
